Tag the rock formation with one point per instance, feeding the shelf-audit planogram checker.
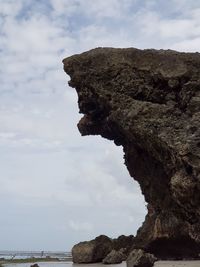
(138, 258)
(34, 265)
(114, 257)
(123, 243)
(98, 249)
(148, 101)
(92, 251)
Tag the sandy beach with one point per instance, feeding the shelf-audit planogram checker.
(70, 264)
(177, 264)
(157, 264)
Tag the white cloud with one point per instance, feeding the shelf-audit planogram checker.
(93, 9)
(107, 9)
(177, 28)
(10, 7)
(66, 7)
(187, 45)
(80, 226)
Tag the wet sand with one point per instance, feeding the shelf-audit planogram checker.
(157, 264)
(177, 264)
(70, 264)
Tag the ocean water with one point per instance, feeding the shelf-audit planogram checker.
(62, 255)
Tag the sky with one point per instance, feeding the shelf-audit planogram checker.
(56, 187)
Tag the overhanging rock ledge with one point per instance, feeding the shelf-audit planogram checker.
(148, 101)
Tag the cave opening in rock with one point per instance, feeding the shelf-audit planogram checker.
(174, 247)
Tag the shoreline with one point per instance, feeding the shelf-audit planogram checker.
(33, 260)
(165, 263)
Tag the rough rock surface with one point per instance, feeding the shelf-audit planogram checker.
(34, 265)
(97, 249)
(138, 258)
(123, 243)
(114, 257)
(148, 101)
(92, 251)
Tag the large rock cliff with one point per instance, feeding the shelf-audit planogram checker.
(148, 101)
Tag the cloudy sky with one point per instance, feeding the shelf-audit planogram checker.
(56, 187)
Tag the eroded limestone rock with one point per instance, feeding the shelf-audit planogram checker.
(92, 251)
(123, 244)
(138, 258)
(148, 101)
(34, 265)
(114, 257)
(98, 249)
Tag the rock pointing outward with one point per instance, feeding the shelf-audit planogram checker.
(102, 247)
(149, 102)
(138, 258)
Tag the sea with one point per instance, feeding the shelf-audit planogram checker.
(10, 254)
(64, 257)
(66, 260)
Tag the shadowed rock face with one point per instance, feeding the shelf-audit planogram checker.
(149, 102)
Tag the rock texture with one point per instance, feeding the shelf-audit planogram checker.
(148, 101)
(138, 258)
(92, 251)
(114, 257)
(123, 244)
(98, 249)
(34, 265)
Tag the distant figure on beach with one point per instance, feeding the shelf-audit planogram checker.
(42, 254)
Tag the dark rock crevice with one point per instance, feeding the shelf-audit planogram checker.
(148, 101)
